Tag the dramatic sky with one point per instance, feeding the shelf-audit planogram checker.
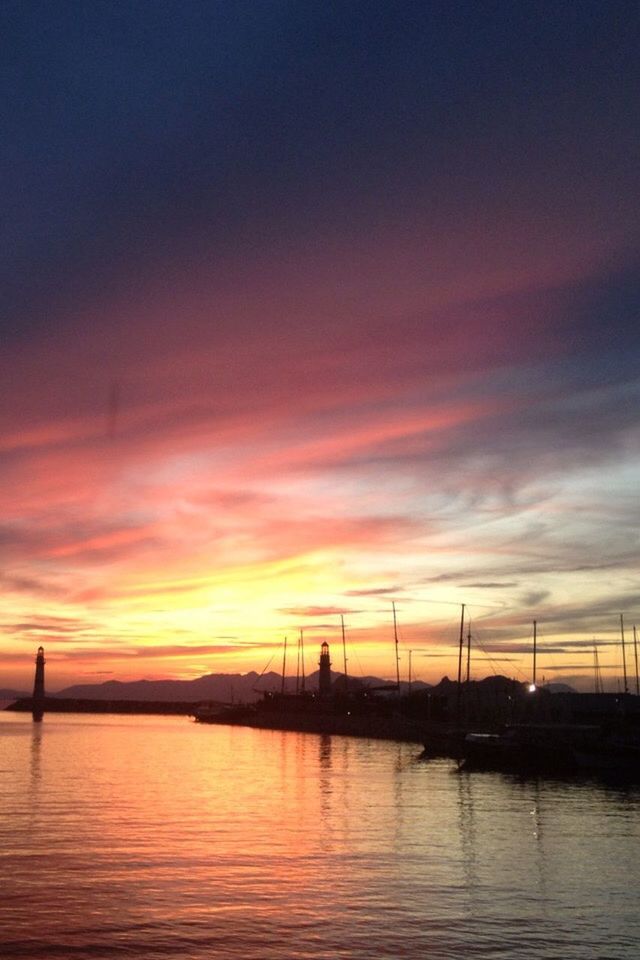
(308, 307)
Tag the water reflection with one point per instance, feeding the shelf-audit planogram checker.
(325, 786)
(325, 743)
(467, 824)
(399, 805)
(36, 757)
(537, 820)
(152, 838)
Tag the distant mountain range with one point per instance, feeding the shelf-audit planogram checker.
(558, 688)
(223, 687)
(13, 694)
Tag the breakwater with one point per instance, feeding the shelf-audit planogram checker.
(441, 739)
(381, 728)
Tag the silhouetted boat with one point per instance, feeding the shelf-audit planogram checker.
(221, 713)
(554, 748)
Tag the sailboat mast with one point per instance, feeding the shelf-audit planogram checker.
(535, 649)
(461, 643)
(304, 681)
(468, 653)
(284, 664)
(395, 636)
(624, 655)
(635, 652)
(344, 653)
(410, 678)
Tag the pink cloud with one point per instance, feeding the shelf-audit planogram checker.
(364, 408)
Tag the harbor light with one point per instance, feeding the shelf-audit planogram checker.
(532, 688)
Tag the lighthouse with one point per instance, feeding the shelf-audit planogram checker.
(324, 680)
(38, 686)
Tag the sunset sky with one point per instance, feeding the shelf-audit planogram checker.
(308, 307)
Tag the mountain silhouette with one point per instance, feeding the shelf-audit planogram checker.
(13, 694)
(223, 687)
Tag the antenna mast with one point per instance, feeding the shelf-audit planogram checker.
(395, 635)
(596, 670)
(624, 655)
(284, 664)
(344, 654)
(460, 664)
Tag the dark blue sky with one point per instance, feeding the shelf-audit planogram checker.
(130, 128)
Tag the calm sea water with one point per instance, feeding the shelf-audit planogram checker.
(155, 837)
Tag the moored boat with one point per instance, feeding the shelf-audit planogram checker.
(533, 748)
